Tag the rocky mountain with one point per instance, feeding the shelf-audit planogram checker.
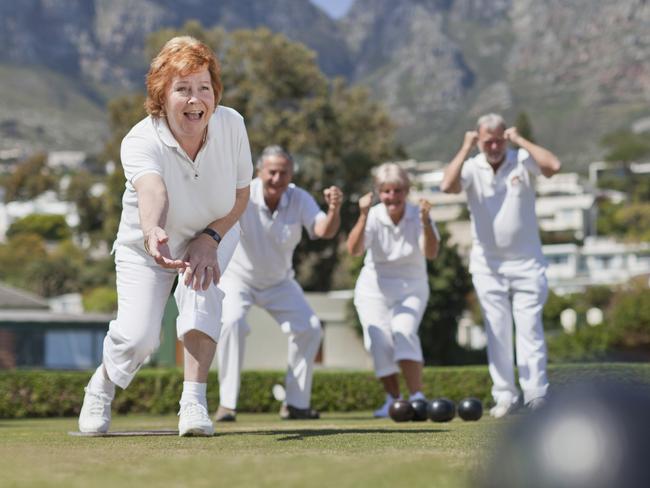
(579, 68)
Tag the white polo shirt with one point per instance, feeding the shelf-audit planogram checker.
(265, 252)
(393, 251)
(505, 233)
(199, 191)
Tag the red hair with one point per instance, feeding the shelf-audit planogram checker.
(179, 56)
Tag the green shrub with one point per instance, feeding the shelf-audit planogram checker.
(49, 227)
(100, 299)
(630, 317)
(157, 391)
(586, 344)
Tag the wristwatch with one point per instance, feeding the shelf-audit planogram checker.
(212, 233)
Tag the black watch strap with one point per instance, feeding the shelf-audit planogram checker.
(212, 233)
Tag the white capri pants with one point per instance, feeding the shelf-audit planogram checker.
(390, 311)
(520, 296)
(286, 303)
(142, 293)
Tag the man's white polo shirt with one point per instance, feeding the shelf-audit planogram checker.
(199, 191)
(393, 250)
(502, 205)
(265, 252)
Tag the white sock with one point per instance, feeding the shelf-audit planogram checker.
(194, 392)
(418, 395)
(391, 398)
(100, 383)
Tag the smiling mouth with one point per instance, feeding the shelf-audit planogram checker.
(194, 114)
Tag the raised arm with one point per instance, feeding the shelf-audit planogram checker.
(152, 207)
(328, 227)
(429, 243)
(355, 240)
(548, 163)
(451, 179)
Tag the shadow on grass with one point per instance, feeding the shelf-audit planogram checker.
(288, 434)
(300, 434)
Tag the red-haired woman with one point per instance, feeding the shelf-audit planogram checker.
(188, 167)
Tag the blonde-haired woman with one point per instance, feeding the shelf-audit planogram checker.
(188, 168)
(392, 290)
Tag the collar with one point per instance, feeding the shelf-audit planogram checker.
(510, 158)
(410, 213)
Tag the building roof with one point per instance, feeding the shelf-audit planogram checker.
(13, 298)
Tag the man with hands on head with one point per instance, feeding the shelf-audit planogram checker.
(506, 262)
(261, 273)
(392, 290)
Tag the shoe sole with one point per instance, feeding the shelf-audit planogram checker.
(195, 433)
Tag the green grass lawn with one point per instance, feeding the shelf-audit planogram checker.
(259, 450)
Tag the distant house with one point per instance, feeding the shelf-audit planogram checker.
(600, 261)
(66, 159)
(33, 336)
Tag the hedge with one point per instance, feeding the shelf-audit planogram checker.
(157, 391)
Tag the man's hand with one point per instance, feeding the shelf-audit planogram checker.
(512, 135)
(333, 197)
(155, 244)
(471, 138)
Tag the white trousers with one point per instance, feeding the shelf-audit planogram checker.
(142, 293)
(390, 312)
(286, 303)
(520, 296)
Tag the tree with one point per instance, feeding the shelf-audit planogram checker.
(524, 127)
(450, 284)
(30, 178)
(49, 227)
(90, 208)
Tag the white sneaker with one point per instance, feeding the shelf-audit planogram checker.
(382, 412)
(194, 421)
(95, 415)
(502, 409)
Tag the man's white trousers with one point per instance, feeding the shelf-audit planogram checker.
(286, 303)
(519, 296)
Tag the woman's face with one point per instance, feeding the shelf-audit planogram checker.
(189, 103)
(393, 196)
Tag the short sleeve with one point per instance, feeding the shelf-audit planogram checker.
(466, 174)
(371, 228)
(524, 158)
(244, 159)
(310, 212)
(140, 155)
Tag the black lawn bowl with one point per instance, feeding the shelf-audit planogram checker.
(470, 409)
(401, 411)
(441, 410)
(420, 410)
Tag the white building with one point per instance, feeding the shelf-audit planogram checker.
(600, 261)
(66, 159)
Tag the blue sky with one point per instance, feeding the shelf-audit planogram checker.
(335, 8)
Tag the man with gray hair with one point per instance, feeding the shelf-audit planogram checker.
(506, 261)
(261, 273)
